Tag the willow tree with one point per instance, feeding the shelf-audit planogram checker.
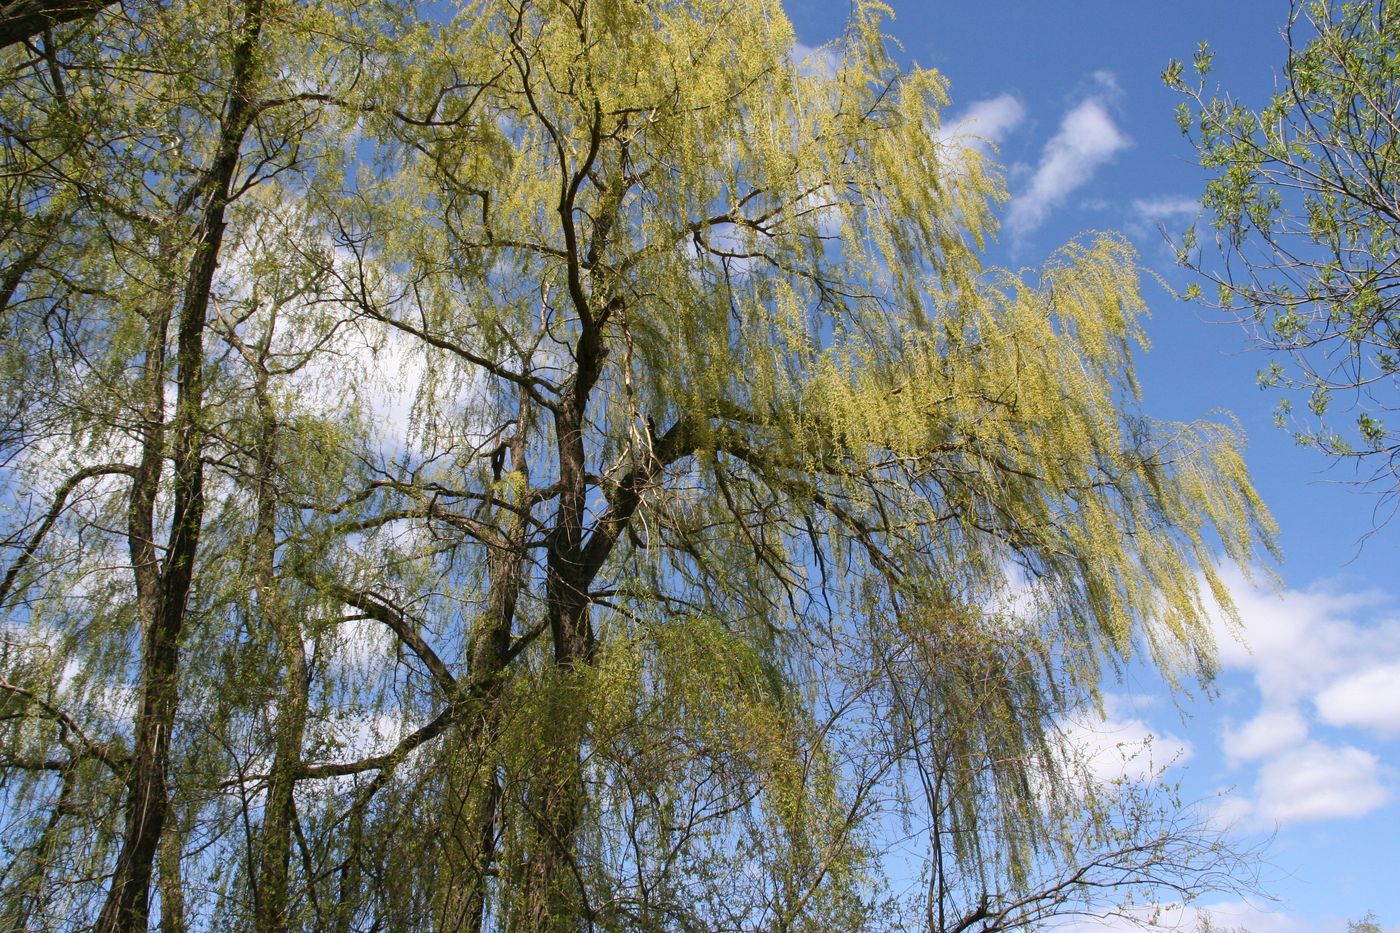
(739, 517)
(734, 449)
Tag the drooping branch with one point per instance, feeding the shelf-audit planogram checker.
(87, 747)
(390, 759)
(60, 501)
(397, 621)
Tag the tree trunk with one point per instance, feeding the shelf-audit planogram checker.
(553, 896)
(165, 605)
(25, 19)
(490, 655)
(171, 883)
(272, 909)
(125, 908)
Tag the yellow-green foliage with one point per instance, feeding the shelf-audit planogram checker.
(879, 432)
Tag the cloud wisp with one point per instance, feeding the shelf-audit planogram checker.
(1164, 209)
(1087, 140)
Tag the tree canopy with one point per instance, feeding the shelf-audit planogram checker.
(1302, 199)
(562, 464)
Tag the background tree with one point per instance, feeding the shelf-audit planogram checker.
(131, 164)
(1367, 924)
(1303, 202)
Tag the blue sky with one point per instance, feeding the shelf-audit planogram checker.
(1305, 730)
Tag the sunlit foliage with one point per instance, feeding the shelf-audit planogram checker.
(1302, 201)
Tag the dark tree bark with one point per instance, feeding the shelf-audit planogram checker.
(274, 888)
(25, 19)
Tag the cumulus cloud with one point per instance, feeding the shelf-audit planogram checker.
(1301, 645)
(1369, 699)
(1319, 782)
(1087, 140)
(1335, 655)
(1271, 732)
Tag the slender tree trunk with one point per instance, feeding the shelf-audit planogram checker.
(128, 899)
(272, 910)
(348, 897)
(127, 902)
(171, 882)
(125, 908)
(490, 655)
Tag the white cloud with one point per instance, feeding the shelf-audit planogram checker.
(1087, 139)
(379, 368)
(1306, 644)
(1269, 733)
(1230, 810)
(1108, 81)
(984, 124)
(1228, 915)
(1147, 215)
(1164, 208)
(1369, 699)
(1318, 651)
(1232, 915)
(1319, 782)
